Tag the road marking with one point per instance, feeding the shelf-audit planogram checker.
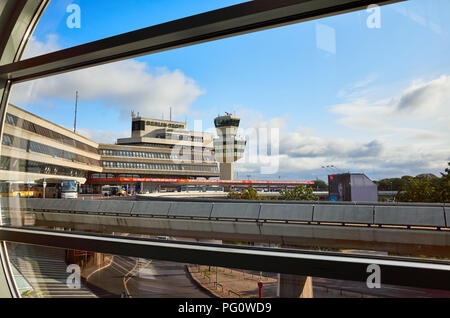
(101, 268)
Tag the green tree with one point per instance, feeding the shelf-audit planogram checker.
(320, 185)
(301, 193)
(246, 194)
(426, 188)
(392, 184)
(417, 190)
(443, 187)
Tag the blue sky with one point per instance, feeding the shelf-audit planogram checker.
(365, 99)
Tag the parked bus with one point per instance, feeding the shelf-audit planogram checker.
(69, 189)
(59, 188)
(19, 189)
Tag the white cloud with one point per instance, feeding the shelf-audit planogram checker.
(426, 99)
(125, 86)
(103, 136)
(417, 112)
(36, 48)
(402, 143)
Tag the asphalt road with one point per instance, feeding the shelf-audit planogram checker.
(146, 279)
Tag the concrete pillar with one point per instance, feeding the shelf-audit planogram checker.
(98, 259)
(294, 286)
(227, 171)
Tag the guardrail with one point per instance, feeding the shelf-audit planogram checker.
(433, 216)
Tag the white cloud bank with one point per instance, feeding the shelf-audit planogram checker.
(125, 86)
(408, 134)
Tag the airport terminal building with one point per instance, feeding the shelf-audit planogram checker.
(35, 149)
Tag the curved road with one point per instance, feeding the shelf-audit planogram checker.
(146, 279)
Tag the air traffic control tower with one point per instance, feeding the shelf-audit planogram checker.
(228, 147)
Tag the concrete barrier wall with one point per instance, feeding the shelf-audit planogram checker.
(447, 215)
(151, 208)
(190, 209)
(119, 206)
(86, 206)
(12, 203)
(413, 216)
(406, 215)
(236, 211)
(287, 212)
(344, 214)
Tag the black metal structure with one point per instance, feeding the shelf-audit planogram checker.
(394, 271)
(231, 21)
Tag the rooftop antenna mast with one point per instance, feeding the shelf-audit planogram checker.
(76, 111)
(170, 113)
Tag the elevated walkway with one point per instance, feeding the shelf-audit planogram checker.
(421, 229)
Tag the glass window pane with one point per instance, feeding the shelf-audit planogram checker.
(66, 24)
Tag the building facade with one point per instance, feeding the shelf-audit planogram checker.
(34, 149)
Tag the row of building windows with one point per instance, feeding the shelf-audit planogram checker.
(31, 146)
(227, 122)
(236, 142)
(230, 150)
(103, 176)
(149, 155)
(180, 137)
(111, 176)
(22, 165)
(45, 132)
(185, 148)
(154, 166)
(146, 144)
(138, 154)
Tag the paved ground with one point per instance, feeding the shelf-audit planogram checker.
(228, 283)
(244, 284)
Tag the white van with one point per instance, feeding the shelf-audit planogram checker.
(108, 191)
